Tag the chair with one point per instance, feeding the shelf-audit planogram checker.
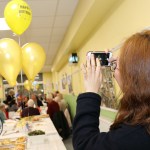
(61, 124)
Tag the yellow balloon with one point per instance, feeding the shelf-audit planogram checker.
(10, 60)
(27, 85)
(33, 59)
(18, 16)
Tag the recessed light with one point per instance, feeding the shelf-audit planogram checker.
(3, 24)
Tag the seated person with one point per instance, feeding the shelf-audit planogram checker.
(36, 100)
(61, 102)
(30, 111)
(24, 102)
(10, 98)
(53, 106)
(2, 112)
(13, 106)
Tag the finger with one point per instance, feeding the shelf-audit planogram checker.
(93, 63)
(98, 64)
(98, 68)
(83, 67)
(92, 60)
(88, 61)
(106, 50)
(112, 59)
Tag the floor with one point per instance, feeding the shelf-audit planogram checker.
(68, 143)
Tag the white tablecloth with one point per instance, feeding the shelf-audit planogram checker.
(50, 141)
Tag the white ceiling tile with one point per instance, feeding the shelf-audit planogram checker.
(62, 21)
(58, 31)
(2, 8)
(45, 46)
(52, 51)
(66, 7)
(43, 7)
(38, 39)
(38, 32)
(42, 22)
(51, 58)
(53, 47)
(6, 34)
(56, 38)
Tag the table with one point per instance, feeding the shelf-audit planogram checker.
(51, 139)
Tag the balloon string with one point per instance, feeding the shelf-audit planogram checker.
(21, 73)
(21, 77)
(19, 40)
(21, 69)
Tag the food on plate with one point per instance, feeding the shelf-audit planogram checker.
(1, 143)
(21, 139)
(13, 143)
(43, 116)
(36, 132)
(6, 142)
(35, 119)
(20, 147)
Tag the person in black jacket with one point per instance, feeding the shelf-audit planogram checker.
(30, 110)
(10, 98)
(131, 127)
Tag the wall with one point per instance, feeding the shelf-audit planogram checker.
(47, 82)
(116, 26)
(105, 113)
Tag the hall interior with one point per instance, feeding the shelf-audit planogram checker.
(66, 27)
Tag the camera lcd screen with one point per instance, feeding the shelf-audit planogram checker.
(103, 57)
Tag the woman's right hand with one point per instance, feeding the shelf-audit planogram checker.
(92, 74)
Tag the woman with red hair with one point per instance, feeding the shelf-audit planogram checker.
(131, 128)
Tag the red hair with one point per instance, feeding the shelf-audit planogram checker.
(134, 68)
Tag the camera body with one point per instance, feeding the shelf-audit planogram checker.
(102, 56)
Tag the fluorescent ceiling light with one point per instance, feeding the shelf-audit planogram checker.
(3, 24)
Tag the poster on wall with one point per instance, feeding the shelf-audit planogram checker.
(64, 81)
(52, 85)
(56, 87)
(63, 84)
(107, 90)
(47, 86)
(69, 82)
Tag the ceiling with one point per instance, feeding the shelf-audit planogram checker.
(50, 20)
(56, 21)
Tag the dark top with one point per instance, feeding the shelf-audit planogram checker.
(39, 103)
(86, 135)
(53, 107)
(9, 100)
(61, 124)
(30, 111)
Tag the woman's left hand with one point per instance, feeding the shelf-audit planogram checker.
(92, 74)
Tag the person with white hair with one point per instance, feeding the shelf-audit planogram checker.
(53, 106)
(30, 110)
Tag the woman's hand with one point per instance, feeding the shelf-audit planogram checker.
(92, 74)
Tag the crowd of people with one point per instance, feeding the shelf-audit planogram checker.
(56, 109)
(54, 103)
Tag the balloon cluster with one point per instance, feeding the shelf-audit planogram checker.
(30, 57)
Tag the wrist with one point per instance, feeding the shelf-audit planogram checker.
(91, 91)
